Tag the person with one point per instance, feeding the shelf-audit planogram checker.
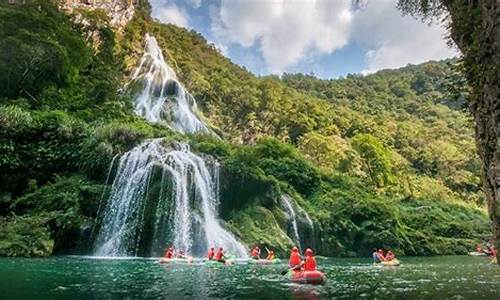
(181, 254)
(381, 256)
(479, 248)
(211, 253)
(389, 256)
(270, 255)
(375, 256)
(310, 261)
(219, 256)
(169, 253)
(255, 253)
(493, 251)
(295, 260)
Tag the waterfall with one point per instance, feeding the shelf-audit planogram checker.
(183, 214)
(292, 217)
(160, 96)
(163, 194)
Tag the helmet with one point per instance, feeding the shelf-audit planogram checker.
(309, 252)
(221, 249)
(212, 248)
(295, 249)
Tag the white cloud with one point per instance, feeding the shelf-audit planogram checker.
(285, 31)
(169, 13)
(395, 40)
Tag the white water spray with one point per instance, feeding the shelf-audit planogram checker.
(185, 211)
(162, 97)
(292, 216)
(163, 194)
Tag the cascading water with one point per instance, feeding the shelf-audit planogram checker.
(292, 216)
(184, 208)
(161, 96)
(163, 194)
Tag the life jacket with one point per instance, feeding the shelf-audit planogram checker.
(210, 254)
(270, 256)
(295, 259)
(310, 263)
(219, 255)
(169, 254)
(255, 253)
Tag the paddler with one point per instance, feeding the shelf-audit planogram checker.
(310, 261)
(295, 260)
(181, 254)
(219, 256)
(381, 256)
(255, 254)
(169, 253)
(389, 256)
(270, 255)
(211, 253)
(376, 258)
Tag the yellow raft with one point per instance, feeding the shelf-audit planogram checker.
(393, 263)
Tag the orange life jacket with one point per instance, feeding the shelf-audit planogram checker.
(295, 259)
(310, 263)
(210, 254)
(219, 255)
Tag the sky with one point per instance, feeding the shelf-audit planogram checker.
(330, 38)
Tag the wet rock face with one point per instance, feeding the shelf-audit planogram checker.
(120, 12)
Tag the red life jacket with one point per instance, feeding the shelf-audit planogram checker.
(210, 254)
(295, 259)
(255, 253)
(169, 254)
(310, 263)
(219, 255)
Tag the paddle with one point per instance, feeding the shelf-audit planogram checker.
(297, 267)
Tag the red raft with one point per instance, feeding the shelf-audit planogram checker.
(307, 277)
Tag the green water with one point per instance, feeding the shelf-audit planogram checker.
(82, 278)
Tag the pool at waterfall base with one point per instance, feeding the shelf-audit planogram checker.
(80, 277)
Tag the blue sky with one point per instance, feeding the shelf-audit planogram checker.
(329, 38)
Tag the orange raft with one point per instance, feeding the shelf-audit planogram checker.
(307, 277)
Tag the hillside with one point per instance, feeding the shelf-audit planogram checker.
(386, 159)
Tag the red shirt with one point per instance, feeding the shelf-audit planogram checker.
(295, 259)
(219, 255)
(310, 263)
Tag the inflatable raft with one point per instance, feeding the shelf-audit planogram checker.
(306, 277)
(187, 260)
(393, 263)
(263, 261)
(475, 253)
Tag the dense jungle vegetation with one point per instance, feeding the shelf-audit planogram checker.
(386, 159)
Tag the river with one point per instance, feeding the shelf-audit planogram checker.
(458, 277)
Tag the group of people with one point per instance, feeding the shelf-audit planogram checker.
(297, 264)
(489, 250)
(255, 253)
(216, 255)
(170, 253)
(379, 256)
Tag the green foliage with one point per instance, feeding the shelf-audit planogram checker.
(25, 236)
(37, 50)
(375, 158)
(62, 121)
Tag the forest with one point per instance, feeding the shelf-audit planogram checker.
(381, 160)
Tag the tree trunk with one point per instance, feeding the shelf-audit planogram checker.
(481, 49)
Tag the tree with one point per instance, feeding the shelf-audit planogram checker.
(475, 29)
(375, 157)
